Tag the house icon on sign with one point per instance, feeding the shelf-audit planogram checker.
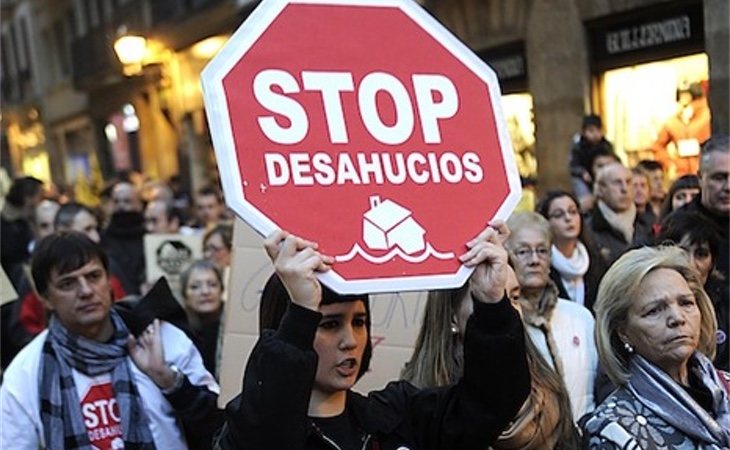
(387, 224)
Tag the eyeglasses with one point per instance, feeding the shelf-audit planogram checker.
(559, 214)
(212, 249)
(524, 254)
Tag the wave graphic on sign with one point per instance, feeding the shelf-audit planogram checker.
(357, 250)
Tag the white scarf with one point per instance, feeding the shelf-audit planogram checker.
(622, 222)
(571, 270)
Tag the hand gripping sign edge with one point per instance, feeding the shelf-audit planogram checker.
(223, 137)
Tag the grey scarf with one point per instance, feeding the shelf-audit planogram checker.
(668, 400)
(63, 425)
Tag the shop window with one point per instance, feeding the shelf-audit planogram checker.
(658, 111)
(518, 114)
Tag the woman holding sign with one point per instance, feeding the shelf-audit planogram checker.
(296, 389)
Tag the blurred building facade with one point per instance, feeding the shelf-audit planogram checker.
(626, 60)
(73, 114)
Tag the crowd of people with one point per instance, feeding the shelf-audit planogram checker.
(599, 320)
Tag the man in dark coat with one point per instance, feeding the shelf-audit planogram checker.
(123, 239)
(614, 223)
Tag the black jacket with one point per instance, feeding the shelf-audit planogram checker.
(271, 412)
(610, 242)
(123, 241)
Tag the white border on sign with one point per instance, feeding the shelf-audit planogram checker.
(218, 119)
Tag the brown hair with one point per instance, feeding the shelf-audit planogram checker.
(438, 360)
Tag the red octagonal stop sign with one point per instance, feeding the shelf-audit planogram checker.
(364, 126)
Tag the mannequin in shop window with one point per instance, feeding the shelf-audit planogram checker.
(678, 143)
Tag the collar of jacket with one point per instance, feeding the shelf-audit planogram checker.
(600, 224)
(721, 222)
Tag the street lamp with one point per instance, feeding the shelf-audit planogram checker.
(131, 51)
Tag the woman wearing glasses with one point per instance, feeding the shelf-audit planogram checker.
(562, 330)
(574, 267)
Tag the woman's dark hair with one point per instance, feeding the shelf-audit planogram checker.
(543, 208)
(63, 252)
(225, 231)
(690, 224)
(275, 300)
(683, 182)
(199, 264)
(23, 189)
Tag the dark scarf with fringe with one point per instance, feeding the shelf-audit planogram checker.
(63, 424)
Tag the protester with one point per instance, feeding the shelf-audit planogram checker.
(45, 213)
(16, 230)
(86, 381)
(655, 334)
(714, 199)
(682, 191)
(126, 197)
(584, 149)
(692, 232)
(180, 192)
(202, 290)
(209, 208)
(561, 329)
(575, 267)
(642, 196)
(78, 217)
(123, 238)
(298, 378)
(655, 173)
(614, 223)
(161, 217)
(218, 245)
(545, 420)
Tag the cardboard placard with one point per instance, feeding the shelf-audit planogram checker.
(396, 319)
(169, 255)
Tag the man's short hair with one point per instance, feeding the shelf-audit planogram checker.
(604, 171)
(649, 165)
(64, 252)
(67, 213)
(210, 190)
(591, 120)
(22, 189)
(717, 143)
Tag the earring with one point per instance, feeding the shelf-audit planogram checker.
(628, 347)
(454, 329)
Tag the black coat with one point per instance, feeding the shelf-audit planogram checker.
(611, 243)
(123, 241)
(271, 412)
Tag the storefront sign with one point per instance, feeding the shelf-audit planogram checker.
(510, 63)
(648, 34)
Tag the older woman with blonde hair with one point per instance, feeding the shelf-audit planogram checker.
(562, 330)
(655, 332)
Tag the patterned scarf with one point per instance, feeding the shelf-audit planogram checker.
(63, 425)
(668, 400)
(540, 314)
